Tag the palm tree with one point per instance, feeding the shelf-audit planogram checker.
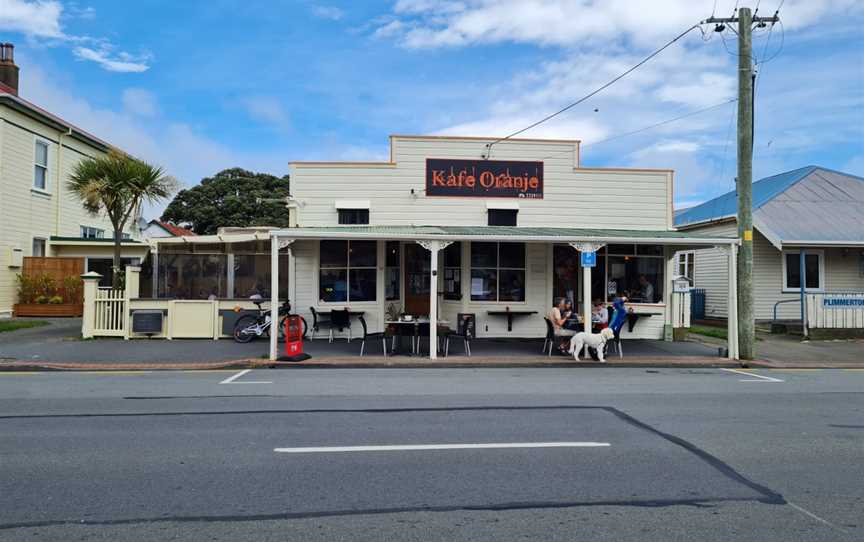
(117, 184)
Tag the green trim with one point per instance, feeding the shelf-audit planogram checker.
(107, 240)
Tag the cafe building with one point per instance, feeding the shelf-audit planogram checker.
(496, 229)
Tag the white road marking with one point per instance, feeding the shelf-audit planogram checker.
(755, 376)
(814, 516)
(418, 447)
(231, 379)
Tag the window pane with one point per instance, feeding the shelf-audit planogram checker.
(640, 279)
(564, 264)
(333, 285)
(812, 268)
(484, 284)
(38, 247)
(334, 253)
(512, 285)
(453, 255)
(502, 217)
(252, 275)
(42, 154)
(353, 216)
(192, 276)
(363, 284)
(622, 249)
(363, 253)
(393, 256)
(452, 283)
(513, 255)
(484, 255)
(793, 274)
(649, 250)
(392, 284)
(39, 177)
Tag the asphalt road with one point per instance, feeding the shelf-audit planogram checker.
(553, 454)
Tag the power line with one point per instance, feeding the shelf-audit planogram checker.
(589, 95)
(646, 128)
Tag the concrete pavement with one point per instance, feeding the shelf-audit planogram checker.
(693, 453)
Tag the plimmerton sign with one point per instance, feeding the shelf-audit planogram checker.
(484, 178)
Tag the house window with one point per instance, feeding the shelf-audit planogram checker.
(38, 247)
(125, 236)
(348, 271)
(686, 266)
(89, 232)
(814, 265)
(40, 166)
(453, 271)
(392, 275)
(503, 217)
(498, 272)
(353, 216)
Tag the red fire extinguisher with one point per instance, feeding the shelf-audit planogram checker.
(294, 339)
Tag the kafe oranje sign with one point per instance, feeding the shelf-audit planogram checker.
(483, 178)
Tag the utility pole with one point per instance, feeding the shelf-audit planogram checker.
(744, 181)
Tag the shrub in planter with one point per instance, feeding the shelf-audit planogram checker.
(26, 289)
(73, 287)
(41, 299)
(56, 300)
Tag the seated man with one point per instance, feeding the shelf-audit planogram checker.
(600, 314)
(558, 316)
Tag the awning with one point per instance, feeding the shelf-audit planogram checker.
(211, 239)
(503, 234)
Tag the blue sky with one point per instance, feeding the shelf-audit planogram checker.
(201, 86)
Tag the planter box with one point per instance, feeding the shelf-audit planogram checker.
(47, 310)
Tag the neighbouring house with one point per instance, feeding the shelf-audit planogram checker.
(812, 209)
(38, 216)
(158, 229)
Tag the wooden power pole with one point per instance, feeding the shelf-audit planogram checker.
(744, 181)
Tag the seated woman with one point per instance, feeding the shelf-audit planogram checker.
(558, 315)
(600, 314)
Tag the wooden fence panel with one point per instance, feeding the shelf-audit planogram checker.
(55, 267)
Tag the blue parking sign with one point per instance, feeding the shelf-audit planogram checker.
(589, 259)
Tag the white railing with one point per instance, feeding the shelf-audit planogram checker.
(109, 312)
(835, 310)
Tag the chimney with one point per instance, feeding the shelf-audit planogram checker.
(8, 69)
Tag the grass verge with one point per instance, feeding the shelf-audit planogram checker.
(716, 332)
(12, 325)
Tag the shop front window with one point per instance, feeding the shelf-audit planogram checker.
(392, 275)
(192, 276)
(252, 275)
(498, 272)
(640, 278)
(348, 271)
(453, 272)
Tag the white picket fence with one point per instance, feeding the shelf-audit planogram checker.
(838, 310)
(109, 313)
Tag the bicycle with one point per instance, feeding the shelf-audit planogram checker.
(250, 326)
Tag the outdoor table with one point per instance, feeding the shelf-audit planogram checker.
(633, 317)
(410, 324)
(510, 315)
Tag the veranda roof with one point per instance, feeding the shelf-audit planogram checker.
(503, 233)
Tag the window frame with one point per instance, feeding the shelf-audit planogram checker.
(348, 267)
(785, 288)
(498, 268)
(501, 213)
(454, 273)
(43, 241)
(354, 213)
(689, 258)
(100, 233)
(46, 167)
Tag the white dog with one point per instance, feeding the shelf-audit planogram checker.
(593, 340)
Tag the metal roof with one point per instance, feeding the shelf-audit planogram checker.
(501, 233)
(727, 205)
(807, 206)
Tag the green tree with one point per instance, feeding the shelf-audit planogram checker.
(117, 185)
(233, 197)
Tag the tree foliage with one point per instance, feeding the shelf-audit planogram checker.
(117, 184)
(233, 197)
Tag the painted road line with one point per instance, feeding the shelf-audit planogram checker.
(754, 375)
(233, 379)
(421, 447)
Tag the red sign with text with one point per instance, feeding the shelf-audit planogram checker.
(484, 178)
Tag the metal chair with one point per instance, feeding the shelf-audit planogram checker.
(375, 336)
(466, 324)
(549, 342)
(340, 320)
(616, 323)
(318, 320)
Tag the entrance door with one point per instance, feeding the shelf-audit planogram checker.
(417, 276)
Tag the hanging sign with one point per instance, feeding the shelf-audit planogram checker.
(484, 178)
(588, 259)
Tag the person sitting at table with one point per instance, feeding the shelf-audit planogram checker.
(646, 289)
(600, 315)
(558, 316)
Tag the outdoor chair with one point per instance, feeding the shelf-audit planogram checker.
(372, 336)
(549, 342)
(421, 331)
(616, 323)
(318, 320)
(444, 339)
(466, 323)
(340, 320)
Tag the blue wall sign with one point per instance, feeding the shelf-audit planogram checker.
(843, 302)
(589, 259)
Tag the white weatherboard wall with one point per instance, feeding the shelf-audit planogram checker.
(573, 197)
(841, 274)
(26, 214)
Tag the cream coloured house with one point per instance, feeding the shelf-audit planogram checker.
(38, 216)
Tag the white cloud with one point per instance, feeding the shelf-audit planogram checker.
(139, 101)
(39, 19)
(328, 12)
(123, 63)
(572, 23)
(267, 110)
